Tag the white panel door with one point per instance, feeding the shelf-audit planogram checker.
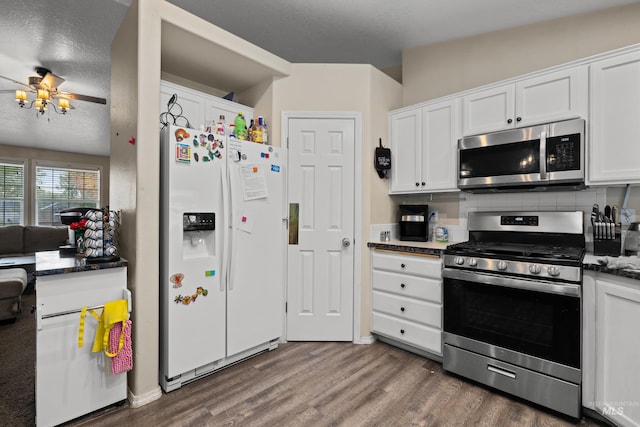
(320, 265)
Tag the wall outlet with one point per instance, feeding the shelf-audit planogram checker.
(434, 216)
(627, 216)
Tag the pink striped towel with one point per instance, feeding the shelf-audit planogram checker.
(123, 361)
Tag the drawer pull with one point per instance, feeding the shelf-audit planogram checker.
(402, 285)
(501, 371)
(402, 331)
(401, 308)
(402, 265)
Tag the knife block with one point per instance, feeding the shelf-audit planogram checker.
(608, 247)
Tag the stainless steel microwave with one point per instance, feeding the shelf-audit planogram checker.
(542, 157)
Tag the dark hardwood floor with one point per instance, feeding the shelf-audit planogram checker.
(332, 384)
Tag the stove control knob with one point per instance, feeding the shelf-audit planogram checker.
(473, 262)
(553, 271)
(535, 269)
(502, 266)
(459, 260)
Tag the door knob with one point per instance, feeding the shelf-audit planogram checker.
(346, 242)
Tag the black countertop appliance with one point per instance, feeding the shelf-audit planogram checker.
(414, 222)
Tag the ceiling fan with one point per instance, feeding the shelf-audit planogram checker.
(45, 87)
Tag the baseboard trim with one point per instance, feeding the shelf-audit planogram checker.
(370, 339)
(137, 401)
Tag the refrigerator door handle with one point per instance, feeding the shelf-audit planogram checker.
(231, 233)
(225, 233)
(39, 317)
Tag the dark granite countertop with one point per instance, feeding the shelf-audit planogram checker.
(591, 263)
(429, 248)
(50, 262)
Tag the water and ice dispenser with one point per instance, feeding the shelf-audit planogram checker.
(198, 234)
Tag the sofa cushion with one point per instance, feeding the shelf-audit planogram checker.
(11, 240)
(44, 238)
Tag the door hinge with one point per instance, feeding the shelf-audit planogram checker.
(286, 307)
(287, 142)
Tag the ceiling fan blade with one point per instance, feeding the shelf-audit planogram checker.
(16, 82)
(79, 97)
(51, 81)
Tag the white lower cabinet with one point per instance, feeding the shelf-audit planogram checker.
(611, 362)
(407, 300)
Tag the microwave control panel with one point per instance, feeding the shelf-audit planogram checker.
(563, 153)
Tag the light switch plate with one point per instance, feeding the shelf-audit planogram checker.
(627, 216)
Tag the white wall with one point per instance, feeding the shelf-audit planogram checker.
(443, 68)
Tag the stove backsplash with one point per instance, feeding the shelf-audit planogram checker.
(543, 201)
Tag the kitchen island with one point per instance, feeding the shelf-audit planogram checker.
(72, 381)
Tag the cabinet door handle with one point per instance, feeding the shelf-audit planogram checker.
(518, 119)
(423, 184)
(402, 331)
(417, 184)
(401, 265)
(401, 308)
(509, 121)
(402, 285)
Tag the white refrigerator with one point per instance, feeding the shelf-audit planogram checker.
(222, 252)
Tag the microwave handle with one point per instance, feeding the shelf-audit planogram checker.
(543, 155)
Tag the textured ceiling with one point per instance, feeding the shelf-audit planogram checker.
(73, 38)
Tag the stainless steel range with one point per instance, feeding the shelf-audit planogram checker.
(512, 305)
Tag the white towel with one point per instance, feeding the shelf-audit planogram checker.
(621, 262)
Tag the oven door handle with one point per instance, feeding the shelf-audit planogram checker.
(567, 289)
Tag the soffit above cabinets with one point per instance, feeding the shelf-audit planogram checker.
(204, 53)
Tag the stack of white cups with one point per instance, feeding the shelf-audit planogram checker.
(93, 234)
(100, 233)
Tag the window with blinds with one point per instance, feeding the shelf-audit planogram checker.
(11, 193)
(62, 188)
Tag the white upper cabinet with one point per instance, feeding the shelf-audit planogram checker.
(424, 147)
(440, 134)
(554, 96)
(488, 110)
(199, 108)
(406, 139)
(614, 155)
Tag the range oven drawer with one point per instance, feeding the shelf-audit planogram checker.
(421, 336)
(407, 308)
(559, 395)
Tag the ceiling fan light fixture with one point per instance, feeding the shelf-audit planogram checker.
(21, 97)
(64, 105)
(41, 105)
(43, 94)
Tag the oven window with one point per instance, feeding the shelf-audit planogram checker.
(535, 323)
(498, 160)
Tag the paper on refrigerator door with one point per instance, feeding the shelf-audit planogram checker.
(253, 181)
